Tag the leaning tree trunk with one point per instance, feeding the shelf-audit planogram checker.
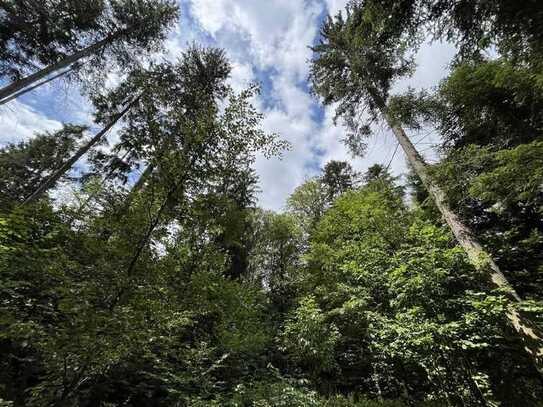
(37, 85)
(20, 84)
(52, 180)
(531, 336)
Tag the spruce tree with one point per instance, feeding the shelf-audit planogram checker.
(120, 32)
(357, 59)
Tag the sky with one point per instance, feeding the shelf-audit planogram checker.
(267, 41)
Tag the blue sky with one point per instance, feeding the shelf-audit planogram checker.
(267, 41)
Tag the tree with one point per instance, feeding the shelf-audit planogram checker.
(25, 166)
(338, 177)
(486, 111)
(489, 103)
(477, 25)
(483, 102)
(122, 30)
(143, 95)
(356, 60)
(390, 307)
(236, 200)
(274, 257)
(39, 33)
(308, 203)
(496, 192)
(51, 181)
(167, 91)
(71, 292)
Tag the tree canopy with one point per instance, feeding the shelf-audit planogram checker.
(144, 271)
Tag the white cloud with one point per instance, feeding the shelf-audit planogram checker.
(335, 6)
(278, 32)
(279, 177)
(241, 76)
(20, 122)
(260, 38)
(273, 37)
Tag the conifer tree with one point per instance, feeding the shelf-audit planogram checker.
(27, 165)
(196, 82)
(338, 177)
(113, 34)
(357, 59)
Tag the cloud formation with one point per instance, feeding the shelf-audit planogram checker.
(267, 42)
(20, 122)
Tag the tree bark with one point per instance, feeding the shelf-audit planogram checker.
(20, 84)
(52, 180)
(529, 333)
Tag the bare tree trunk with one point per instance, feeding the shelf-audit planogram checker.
(31, 88)
(20, 84)
(52, 180)
(531, 336)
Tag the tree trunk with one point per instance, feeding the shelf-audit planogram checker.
(530, 335)
(20, 84)
(31, 88)
(52, 180)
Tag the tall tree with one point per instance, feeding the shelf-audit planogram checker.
(357, 59)
(476, 25)
(488, 115)
(383, 310)
(338, 177)
(121, 31)
(194, 83)
(61, 171)
(482, 102)
(237, 194)
(27, 165)
(34, 33)
(308, 204)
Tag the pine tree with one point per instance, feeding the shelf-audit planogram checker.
(51, 181)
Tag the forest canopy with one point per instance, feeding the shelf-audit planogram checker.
(142, 269)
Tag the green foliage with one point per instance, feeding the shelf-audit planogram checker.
(308, 203)
(490, 103)
(513, 177)
(283, 392)
(309, 338)
(338, 177)
(357, 58)
(487, 103)
(34, 34)
(476, 25)
(391, 294)
(240, 311)
(26, 165)
(499, 194)
(124, 300)
(176, 290)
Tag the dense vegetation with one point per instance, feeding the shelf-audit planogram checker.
(156, 280)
